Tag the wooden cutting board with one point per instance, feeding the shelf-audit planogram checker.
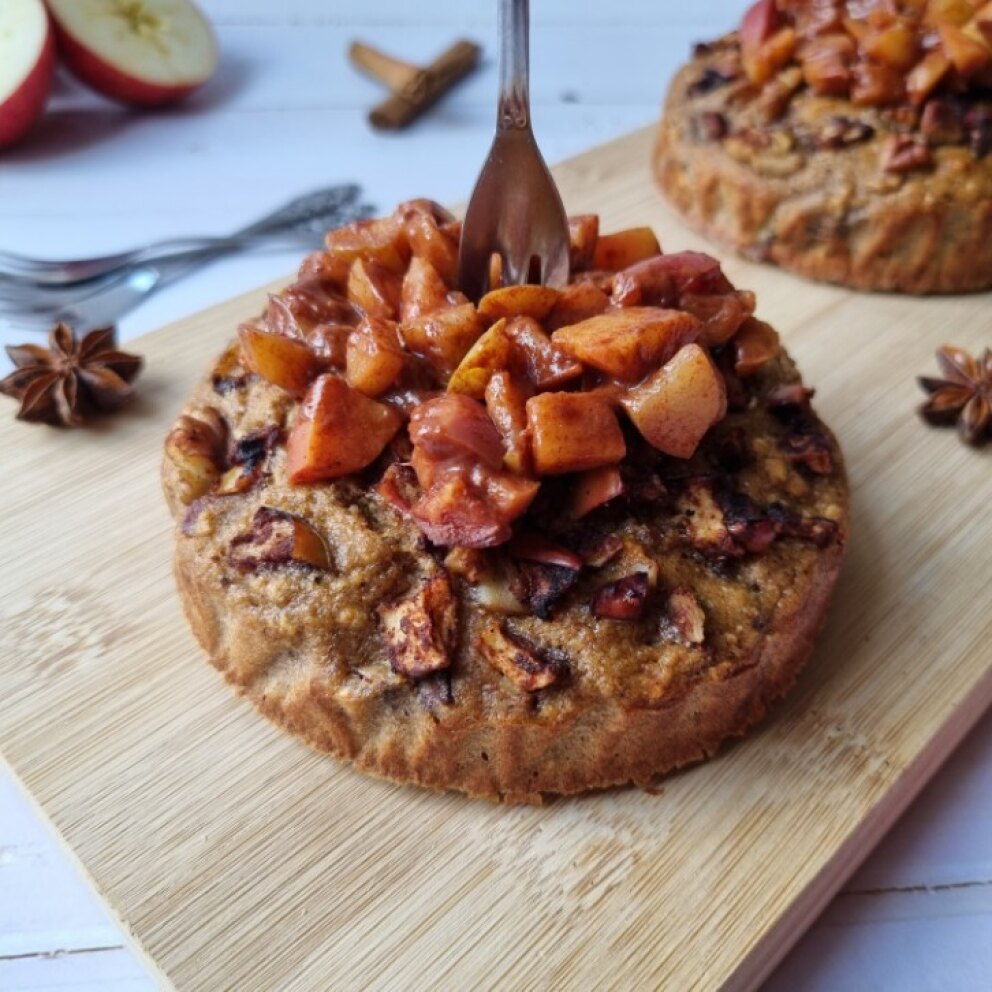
(238, 859)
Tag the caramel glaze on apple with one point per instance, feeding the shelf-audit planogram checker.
(486, 404)
(473, 421)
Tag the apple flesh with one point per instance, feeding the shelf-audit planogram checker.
(628, 344)
(27, 63)
(572, 432)
(285, 362)
(338, 431)
(675, 408)
(146, 53)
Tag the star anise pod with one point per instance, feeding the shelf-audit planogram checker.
(70, 380)
(963, 396)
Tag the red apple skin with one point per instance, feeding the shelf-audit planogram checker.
(112, 83)
(20, 111)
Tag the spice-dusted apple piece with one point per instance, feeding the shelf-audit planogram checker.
(337, 431)
(566, 539)
(628, 344)
(374, 288)
(445, 336)
(675, 408)
(284, 361)
(383, 241)
(572, 432)
(519, 301)
(617, 251)
(374, 357)
(851, 143)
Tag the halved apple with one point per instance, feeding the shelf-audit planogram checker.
(141, 52)
(27, 62)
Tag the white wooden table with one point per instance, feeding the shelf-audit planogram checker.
(284, 115)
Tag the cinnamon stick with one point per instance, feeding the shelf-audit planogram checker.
(414, 89)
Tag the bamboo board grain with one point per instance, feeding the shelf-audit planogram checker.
(237, 858)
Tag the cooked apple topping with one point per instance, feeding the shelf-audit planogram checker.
(922, 66)
(377, 344)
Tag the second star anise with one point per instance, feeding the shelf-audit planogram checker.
(963, 396)
(70, 379)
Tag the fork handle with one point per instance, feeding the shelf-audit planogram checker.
(513, 108)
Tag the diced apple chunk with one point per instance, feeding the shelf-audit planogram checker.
(925, 76)
(966, 54)
(955, 12)
(594, 488)
(896, 45)
(444, 337)
(722, 314)
(338, 431)
(429, 242)
(374, 289)
(617, 251)
(522, 301)
(506, 403)
(383, 240)
(759, 24)
(583, 233)
(754, 344)
(628, 344)
(423, 290)
(675, 408)
(374, 357)
(577, 302)
(285, 362)
(537, 357)
(572, 432)
(490, 353)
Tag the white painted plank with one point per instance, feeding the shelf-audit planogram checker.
(115, 970)
(234, 165)
(897, 942)
(44, 904)
(946, 839)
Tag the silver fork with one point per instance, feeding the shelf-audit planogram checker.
(312, 213)
(104, 301)
(515, 210)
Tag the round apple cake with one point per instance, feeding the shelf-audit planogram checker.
(847, 141)
(558, 540)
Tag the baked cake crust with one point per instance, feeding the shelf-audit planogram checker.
(801, 193)
(736, 549)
